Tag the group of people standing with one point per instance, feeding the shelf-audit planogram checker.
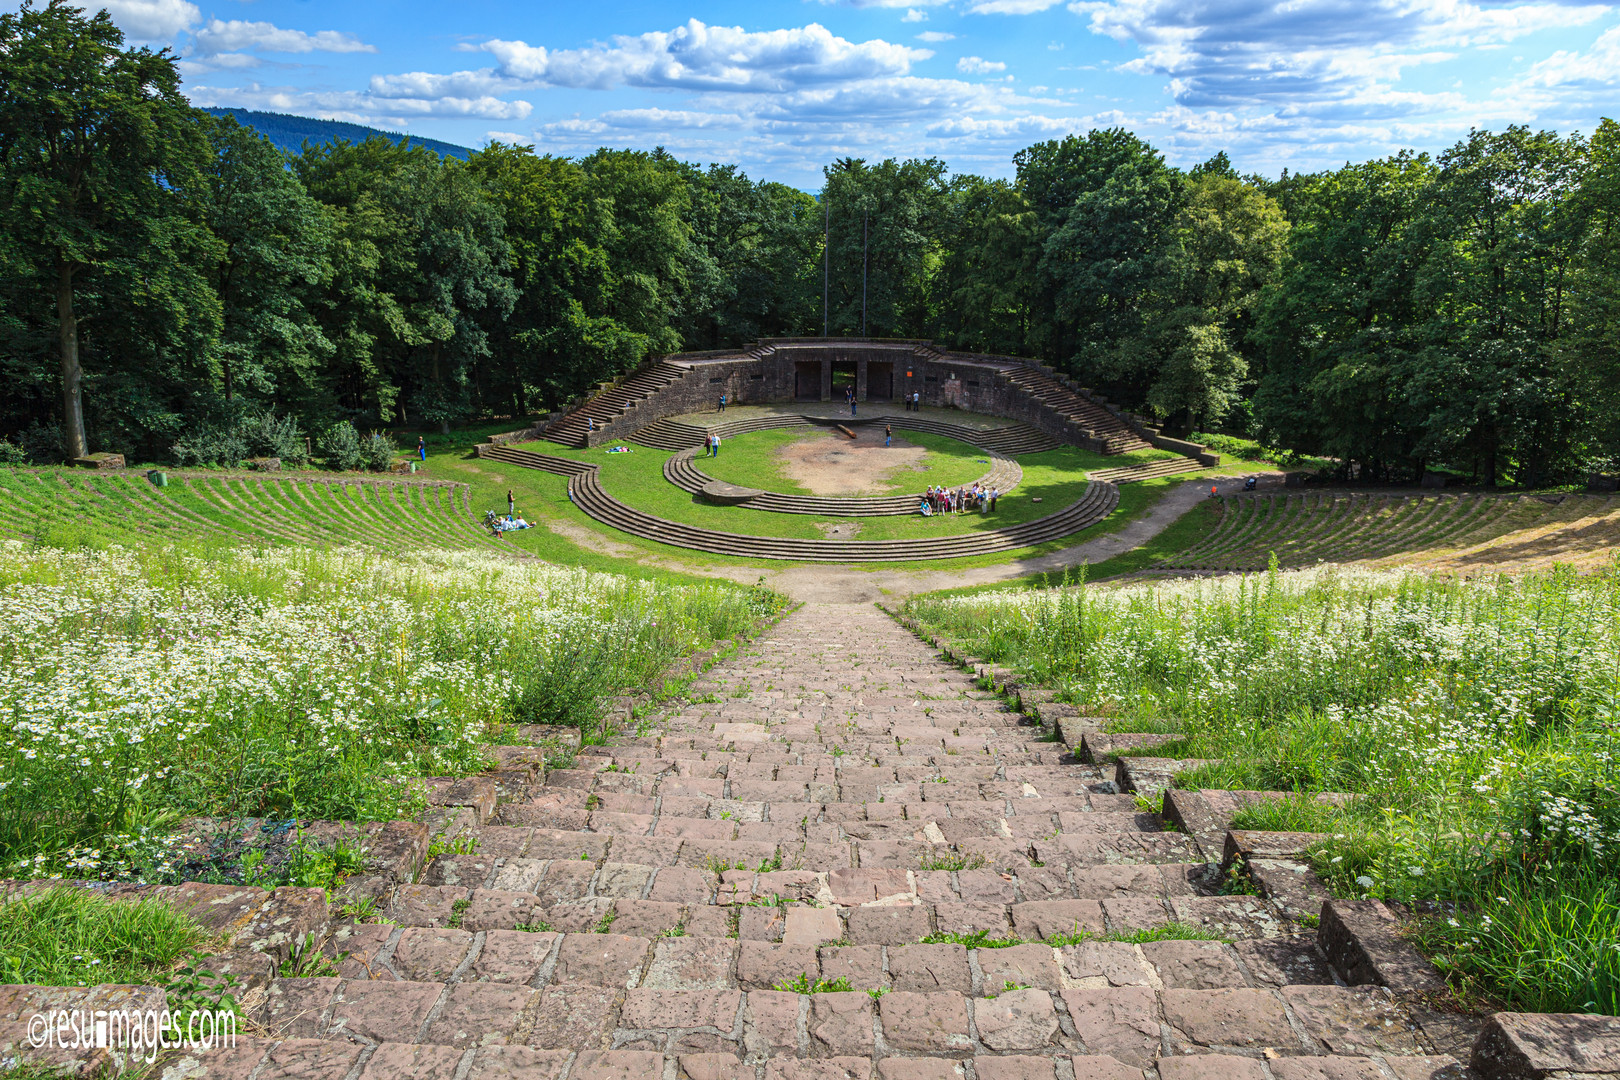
(971, 499)
(913, 402)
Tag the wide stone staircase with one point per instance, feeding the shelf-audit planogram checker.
(573, 429)
(1117, 436)
(729, 893)
(1151, 470)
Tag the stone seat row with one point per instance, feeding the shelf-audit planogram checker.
(535, 959)
(1135, 1025)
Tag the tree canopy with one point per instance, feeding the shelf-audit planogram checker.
(165, 272)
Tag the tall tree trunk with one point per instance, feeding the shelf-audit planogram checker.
(73, 440)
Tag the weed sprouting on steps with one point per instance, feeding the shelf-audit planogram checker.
(975, 939)
(1172, 931)
(805, 985)
(951, 860)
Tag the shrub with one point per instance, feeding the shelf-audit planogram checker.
(211, 446)
(11, 453)
(42, 443)
(342, 447)
(269, 435)
(378, 451)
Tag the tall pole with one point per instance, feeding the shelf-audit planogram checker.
(863, 273)
(826, 256)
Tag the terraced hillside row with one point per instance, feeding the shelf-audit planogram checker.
(1446, 532)
(397, 515)
(846, 864)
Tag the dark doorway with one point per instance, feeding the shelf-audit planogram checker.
(879, 382)
(807, 380)
(843, 378)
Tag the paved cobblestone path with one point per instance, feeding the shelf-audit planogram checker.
(742, 891)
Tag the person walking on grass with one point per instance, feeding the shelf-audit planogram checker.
(888, 434)
(421, 448)
(714, 443)
(511, 504)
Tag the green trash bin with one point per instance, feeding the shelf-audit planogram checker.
(158, 477)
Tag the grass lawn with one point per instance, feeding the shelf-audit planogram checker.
(754, 460)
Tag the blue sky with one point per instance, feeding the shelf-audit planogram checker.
(784, 87)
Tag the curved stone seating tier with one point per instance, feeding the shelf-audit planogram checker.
(587, 493)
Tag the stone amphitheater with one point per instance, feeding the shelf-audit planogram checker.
(657, 408)
(724, 892)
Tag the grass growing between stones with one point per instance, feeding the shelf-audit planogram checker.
(70, 937)
(146, 685)
(1477, 721)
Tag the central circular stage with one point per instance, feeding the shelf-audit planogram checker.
(684, 472)
(1000, 444)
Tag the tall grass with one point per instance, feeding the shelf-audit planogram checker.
(1478, 721)
(141, 686)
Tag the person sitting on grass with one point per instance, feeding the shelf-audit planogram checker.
(924, 509)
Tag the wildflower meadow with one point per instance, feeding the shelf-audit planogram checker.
(1476, 722)
(141, 687)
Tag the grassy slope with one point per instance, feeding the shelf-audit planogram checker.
(542, 497)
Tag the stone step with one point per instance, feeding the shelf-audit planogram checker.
(526, 896)
(535, 959)
(670, 1009)
(329, 1059)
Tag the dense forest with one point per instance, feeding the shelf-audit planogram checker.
(174, 287)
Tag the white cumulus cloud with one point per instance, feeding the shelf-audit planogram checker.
(978, 65)
(933, 36)
(701, 57)
(1224, 53)
(220, 36)
(915, 15)
(154, 21)
(1011, 7)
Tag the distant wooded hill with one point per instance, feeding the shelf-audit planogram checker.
(290, 132)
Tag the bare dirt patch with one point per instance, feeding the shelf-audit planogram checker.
(831, 463)
(839, 530)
